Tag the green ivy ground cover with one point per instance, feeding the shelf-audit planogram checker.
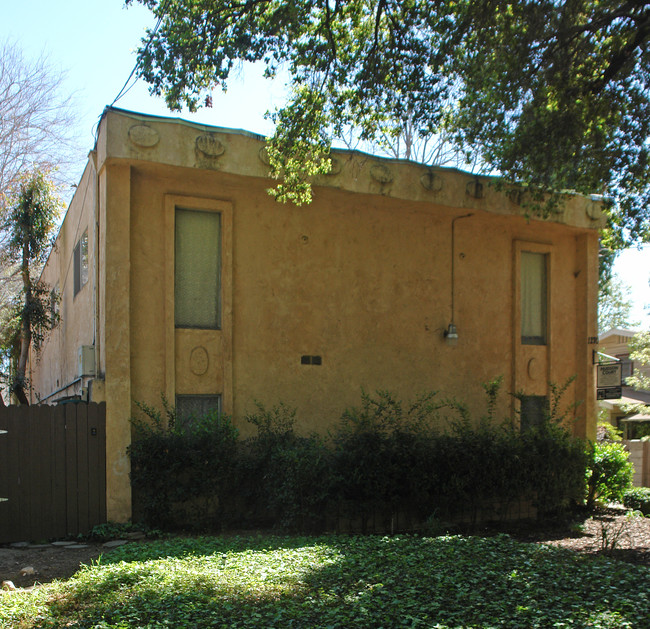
(324, 582)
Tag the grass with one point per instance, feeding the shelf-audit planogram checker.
(346, 582)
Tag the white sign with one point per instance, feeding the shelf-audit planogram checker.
(609, 375)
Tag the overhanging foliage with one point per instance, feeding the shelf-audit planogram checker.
(551, 94)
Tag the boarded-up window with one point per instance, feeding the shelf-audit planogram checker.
(197, 302)
(533, 298)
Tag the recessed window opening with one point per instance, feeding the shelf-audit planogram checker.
(194, 408)
(533, 298)
(197, 271)
(534, 411)
(80, 263)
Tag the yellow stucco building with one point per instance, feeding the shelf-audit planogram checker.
(180, 275)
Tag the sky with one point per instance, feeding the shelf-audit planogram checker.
(94, 42)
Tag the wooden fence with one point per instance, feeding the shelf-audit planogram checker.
(52, 471)
(640, 457)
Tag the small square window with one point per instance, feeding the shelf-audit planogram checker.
(190, 408)
(534, 411)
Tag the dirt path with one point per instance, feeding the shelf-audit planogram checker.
(25, 565)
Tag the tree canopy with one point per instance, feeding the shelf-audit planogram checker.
(33, 209)
(640, 380)
(615, 305)
(553, 94)
(37, 119)
(37, 125)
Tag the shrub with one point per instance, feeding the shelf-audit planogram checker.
(610, 472)
(556, 462)
(483, 467)
(393, 462)
(387, 465)
(181, 473)
(383, 459)
(553, 458)
(638, 499)
(608, 432)
(285, 478)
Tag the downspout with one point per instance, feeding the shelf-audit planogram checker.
(96, 336)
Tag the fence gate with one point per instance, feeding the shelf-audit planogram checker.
(52, 471)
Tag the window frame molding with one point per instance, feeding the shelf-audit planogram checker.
(526, 357)
(225, 209)
(546, 249)
(219, 301)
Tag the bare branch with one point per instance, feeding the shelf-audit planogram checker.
(37, 121)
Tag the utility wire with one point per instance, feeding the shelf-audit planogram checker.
(125, 90)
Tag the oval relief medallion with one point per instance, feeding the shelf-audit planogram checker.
(381, 174)
(594, 210)
(432, 182)
(335, 168)
(263, 154)
(209, 146)
(199, 361)
(534, 369)
(144, 136)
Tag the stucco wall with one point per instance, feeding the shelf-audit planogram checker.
(55, 373)
(364, 282)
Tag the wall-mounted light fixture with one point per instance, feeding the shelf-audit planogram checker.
(451, 333)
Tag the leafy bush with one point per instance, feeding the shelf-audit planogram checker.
(556, 462)
(610, 472)
(393, 462)
(382, 457)
(285, 478)
(608, 432)
(182, 472)
(638, 499)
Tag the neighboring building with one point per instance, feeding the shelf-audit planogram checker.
(614, 345)
(180, 275)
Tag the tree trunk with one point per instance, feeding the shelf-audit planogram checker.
(18, 387)
(19, 392)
